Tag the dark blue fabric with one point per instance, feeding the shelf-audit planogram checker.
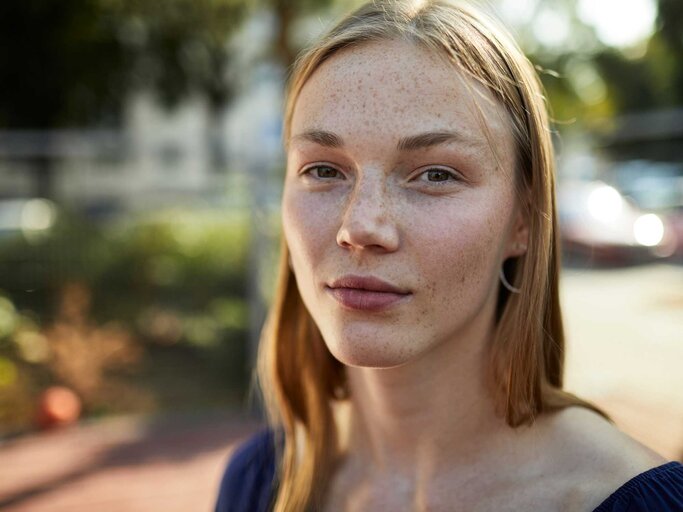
(248, 484)
(657, 490)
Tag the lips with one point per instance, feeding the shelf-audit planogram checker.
(362, 293)
(367, 283)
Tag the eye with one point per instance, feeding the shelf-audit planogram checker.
(322, 172)
(437, 175)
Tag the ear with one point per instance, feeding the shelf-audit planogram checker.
(518, 240)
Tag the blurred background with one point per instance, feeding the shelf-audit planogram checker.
(140, 177)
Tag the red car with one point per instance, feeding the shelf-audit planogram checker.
(599, 222)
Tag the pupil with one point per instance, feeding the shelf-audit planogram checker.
(438, 175)
(326, 172)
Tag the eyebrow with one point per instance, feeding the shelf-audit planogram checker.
(321, 137)
(410, 143)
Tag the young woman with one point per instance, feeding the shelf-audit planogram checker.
(413, 355)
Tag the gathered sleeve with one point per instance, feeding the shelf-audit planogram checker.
(658, 490)
(248, 482)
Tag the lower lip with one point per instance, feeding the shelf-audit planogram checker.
(365, 300)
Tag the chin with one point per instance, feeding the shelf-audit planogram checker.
(363, 354)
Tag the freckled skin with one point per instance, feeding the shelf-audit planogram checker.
(381, 215)
(423, 433)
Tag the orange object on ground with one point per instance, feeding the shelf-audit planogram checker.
(58, 406)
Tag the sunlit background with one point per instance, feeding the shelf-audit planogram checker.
(140, 177)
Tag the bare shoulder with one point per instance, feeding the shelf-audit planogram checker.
(591, 439)
(596, 458)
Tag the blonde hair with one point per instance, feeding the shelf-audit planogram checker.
(299, 377)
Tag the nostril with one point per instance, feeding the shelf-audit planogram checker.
(383, 237)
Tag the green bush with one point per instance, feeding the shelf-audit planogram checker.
(174, 282)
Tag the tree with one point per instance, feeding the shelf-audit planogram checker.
(73, 63)
(670, 22)
(288, 13)
(628, 79)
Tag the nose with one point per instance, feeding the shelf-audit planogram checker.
(367, 220)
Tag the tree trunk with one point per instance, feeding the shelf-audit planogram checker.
(285, 52)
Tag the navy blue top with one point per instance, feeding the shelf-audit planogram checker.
(249, 485)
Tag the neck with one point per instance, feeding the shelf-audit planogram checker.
(436, 410)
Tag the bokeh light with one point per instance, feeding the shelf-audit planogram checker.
(618, 22)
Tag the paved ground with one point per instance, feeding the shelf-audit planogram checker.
(169, 464)
(625, 353)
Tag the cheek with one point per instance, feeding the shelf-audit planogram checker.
(307, 223)
(294, 226)
(464, 247)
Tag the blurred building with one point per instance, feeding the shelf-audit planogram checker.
(160, 156)
(655, 135)
(156, 156)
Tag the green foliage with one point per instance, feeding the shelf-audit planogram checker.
(182, 258)
(179, 257)
(596, 82)
(60, 63)
(670, 52)
(73, 62)
(179, 46)
(8, 317)
(172, 284)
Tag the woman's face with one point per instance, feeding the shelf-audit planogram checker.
(391, 175)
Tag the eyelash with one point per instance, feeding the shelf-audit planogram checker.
(431, 169)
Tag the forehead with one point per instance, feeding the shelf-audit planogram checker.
(393, 88)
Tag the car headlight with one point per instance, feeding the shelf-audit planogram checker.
(605, 204)
(648, 230)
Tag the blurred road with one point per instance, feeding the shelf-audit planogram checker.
(625, 348)
(625, 330)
